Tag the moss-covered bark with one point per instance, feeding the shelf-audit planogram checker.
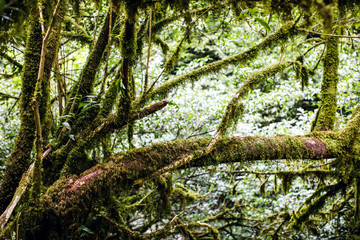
(51, 52)
(289, 29)
(88, 75)
(19, 159)
(68, 198)
(234, 109)
(327, 112)
(128, 45)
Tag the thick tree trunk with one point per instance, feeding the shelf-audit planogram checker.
(19, 159)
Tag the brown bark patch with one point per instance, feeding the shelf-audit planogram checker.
(83, 181)
(317, 148)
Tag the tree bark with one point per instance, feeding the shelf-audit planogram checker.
(68, 199)
(19, 159)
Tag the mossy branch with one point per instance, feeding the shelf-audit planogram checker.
(311, 172)
(234, 109)
(36, 177)
(350, 133)
(148, 54)
(128, 47)
(4, 96)
(119, 172)
(87, 77)
(108, 49)
(214, 232)
(286, 31)
(25, 179)
(163, 45)
(313, 205)
(76, 36)
(159, 26)
(18, 161)
(110, 96)
(327, 112)
(80, 33)
(111, 123)
(11, 60)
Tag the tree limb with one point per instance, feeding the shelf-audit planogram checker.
(286, 31)
(121, 171)
(4, 218)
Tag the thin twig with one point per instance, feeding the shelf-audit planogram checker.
(153, 84)
(182, 40)
(46, 37)
(331, 35)
(102, 89)
(95, 28)
(148, 56)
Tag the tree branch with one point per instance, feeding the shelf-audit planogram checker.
(286, 31)
(4, 218)
(11, 60)
(121, 171)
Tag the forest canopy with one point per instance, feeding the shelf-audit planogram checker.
(159, 119)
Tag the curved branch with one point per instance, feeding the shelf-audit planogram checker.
(86, 83)
(286, 31)
(121, 171)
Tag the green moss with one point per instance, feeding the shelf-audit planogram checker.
(128, 34)
(169, 64)
(159, 26)
(77, 161)
(234, 110)
(349, 134)
(286, 31)
(20, 156)
(302, 72)
(286, 181)
(110, 97)
(165, 188)
(327, 112)
(163, 45)
(85, 85)
(186, 196)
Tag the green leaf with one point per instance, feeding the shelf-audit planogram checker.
(67, 125)
(82, 104)
(264, 23)
(86, 229)
(72, 137)
(8, 18)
